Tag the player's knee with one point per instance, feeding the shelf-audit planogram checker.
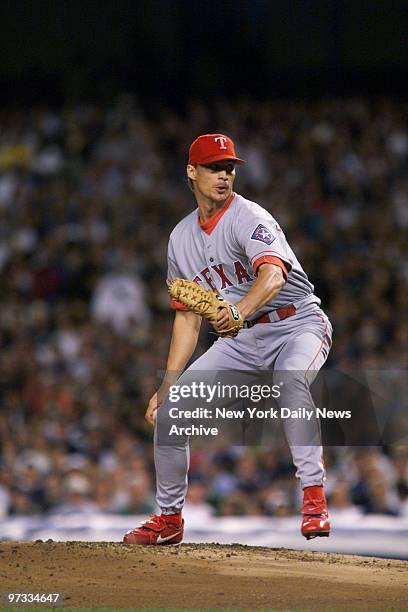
(293, 387)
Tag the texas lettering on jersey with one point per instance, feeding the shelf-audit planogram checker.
(241, 276)
(225, 255)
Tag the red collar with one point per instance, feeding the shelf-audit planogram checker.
(209, 225)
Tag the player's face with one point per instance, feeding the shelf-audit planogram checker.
(213, 181)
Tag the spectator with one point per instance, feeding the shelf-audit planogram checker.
(88, 197)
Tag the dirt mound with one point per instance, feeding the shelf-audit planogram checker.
(113, 575)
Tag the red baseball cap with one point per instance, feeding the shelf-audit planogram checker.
(210, 148)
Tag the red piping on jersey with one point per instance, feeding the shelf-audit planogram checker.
(310, 395)
(269, 259)
(209, 225)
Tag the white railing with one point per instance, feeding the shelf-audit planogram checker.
(375, 535)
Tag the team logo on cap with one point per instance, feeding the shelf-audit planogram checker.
(262, 234)
(222, 140)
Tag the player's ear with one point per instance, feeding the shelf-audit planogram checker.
(191, 172)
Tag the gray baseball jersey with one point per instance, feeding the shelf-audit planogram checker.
(225, 253)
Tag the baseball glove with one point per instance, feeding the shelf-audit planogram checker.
(206, 303)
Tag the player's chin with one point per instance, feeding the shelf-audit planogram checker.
(221, 194)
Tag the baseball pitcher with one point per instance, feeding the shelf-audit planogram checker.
(229, 262)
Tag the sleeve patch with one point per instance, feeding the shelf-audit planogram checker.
(262, 234)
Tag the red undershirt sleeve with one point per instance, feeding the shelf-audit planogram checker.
(177, 305)
(270, 259)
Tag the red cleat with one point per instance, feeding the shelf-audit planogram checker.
(315, 522)
(164, 529)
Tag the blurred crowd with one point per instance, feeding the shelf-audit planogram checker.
(88, 197)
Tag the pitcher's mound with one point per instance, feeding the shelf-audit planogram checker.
(198, 576)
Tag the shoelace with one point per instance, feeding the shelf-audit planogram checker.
(155, 520)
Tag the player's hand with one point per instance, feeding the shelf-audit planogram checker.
(157, 399)
(150, 415)
(223, 320)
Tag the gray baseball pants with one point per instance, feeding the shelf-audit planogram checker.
(299, 346)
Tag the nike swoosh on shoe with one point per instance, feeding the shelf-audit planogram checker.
(173, 535)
